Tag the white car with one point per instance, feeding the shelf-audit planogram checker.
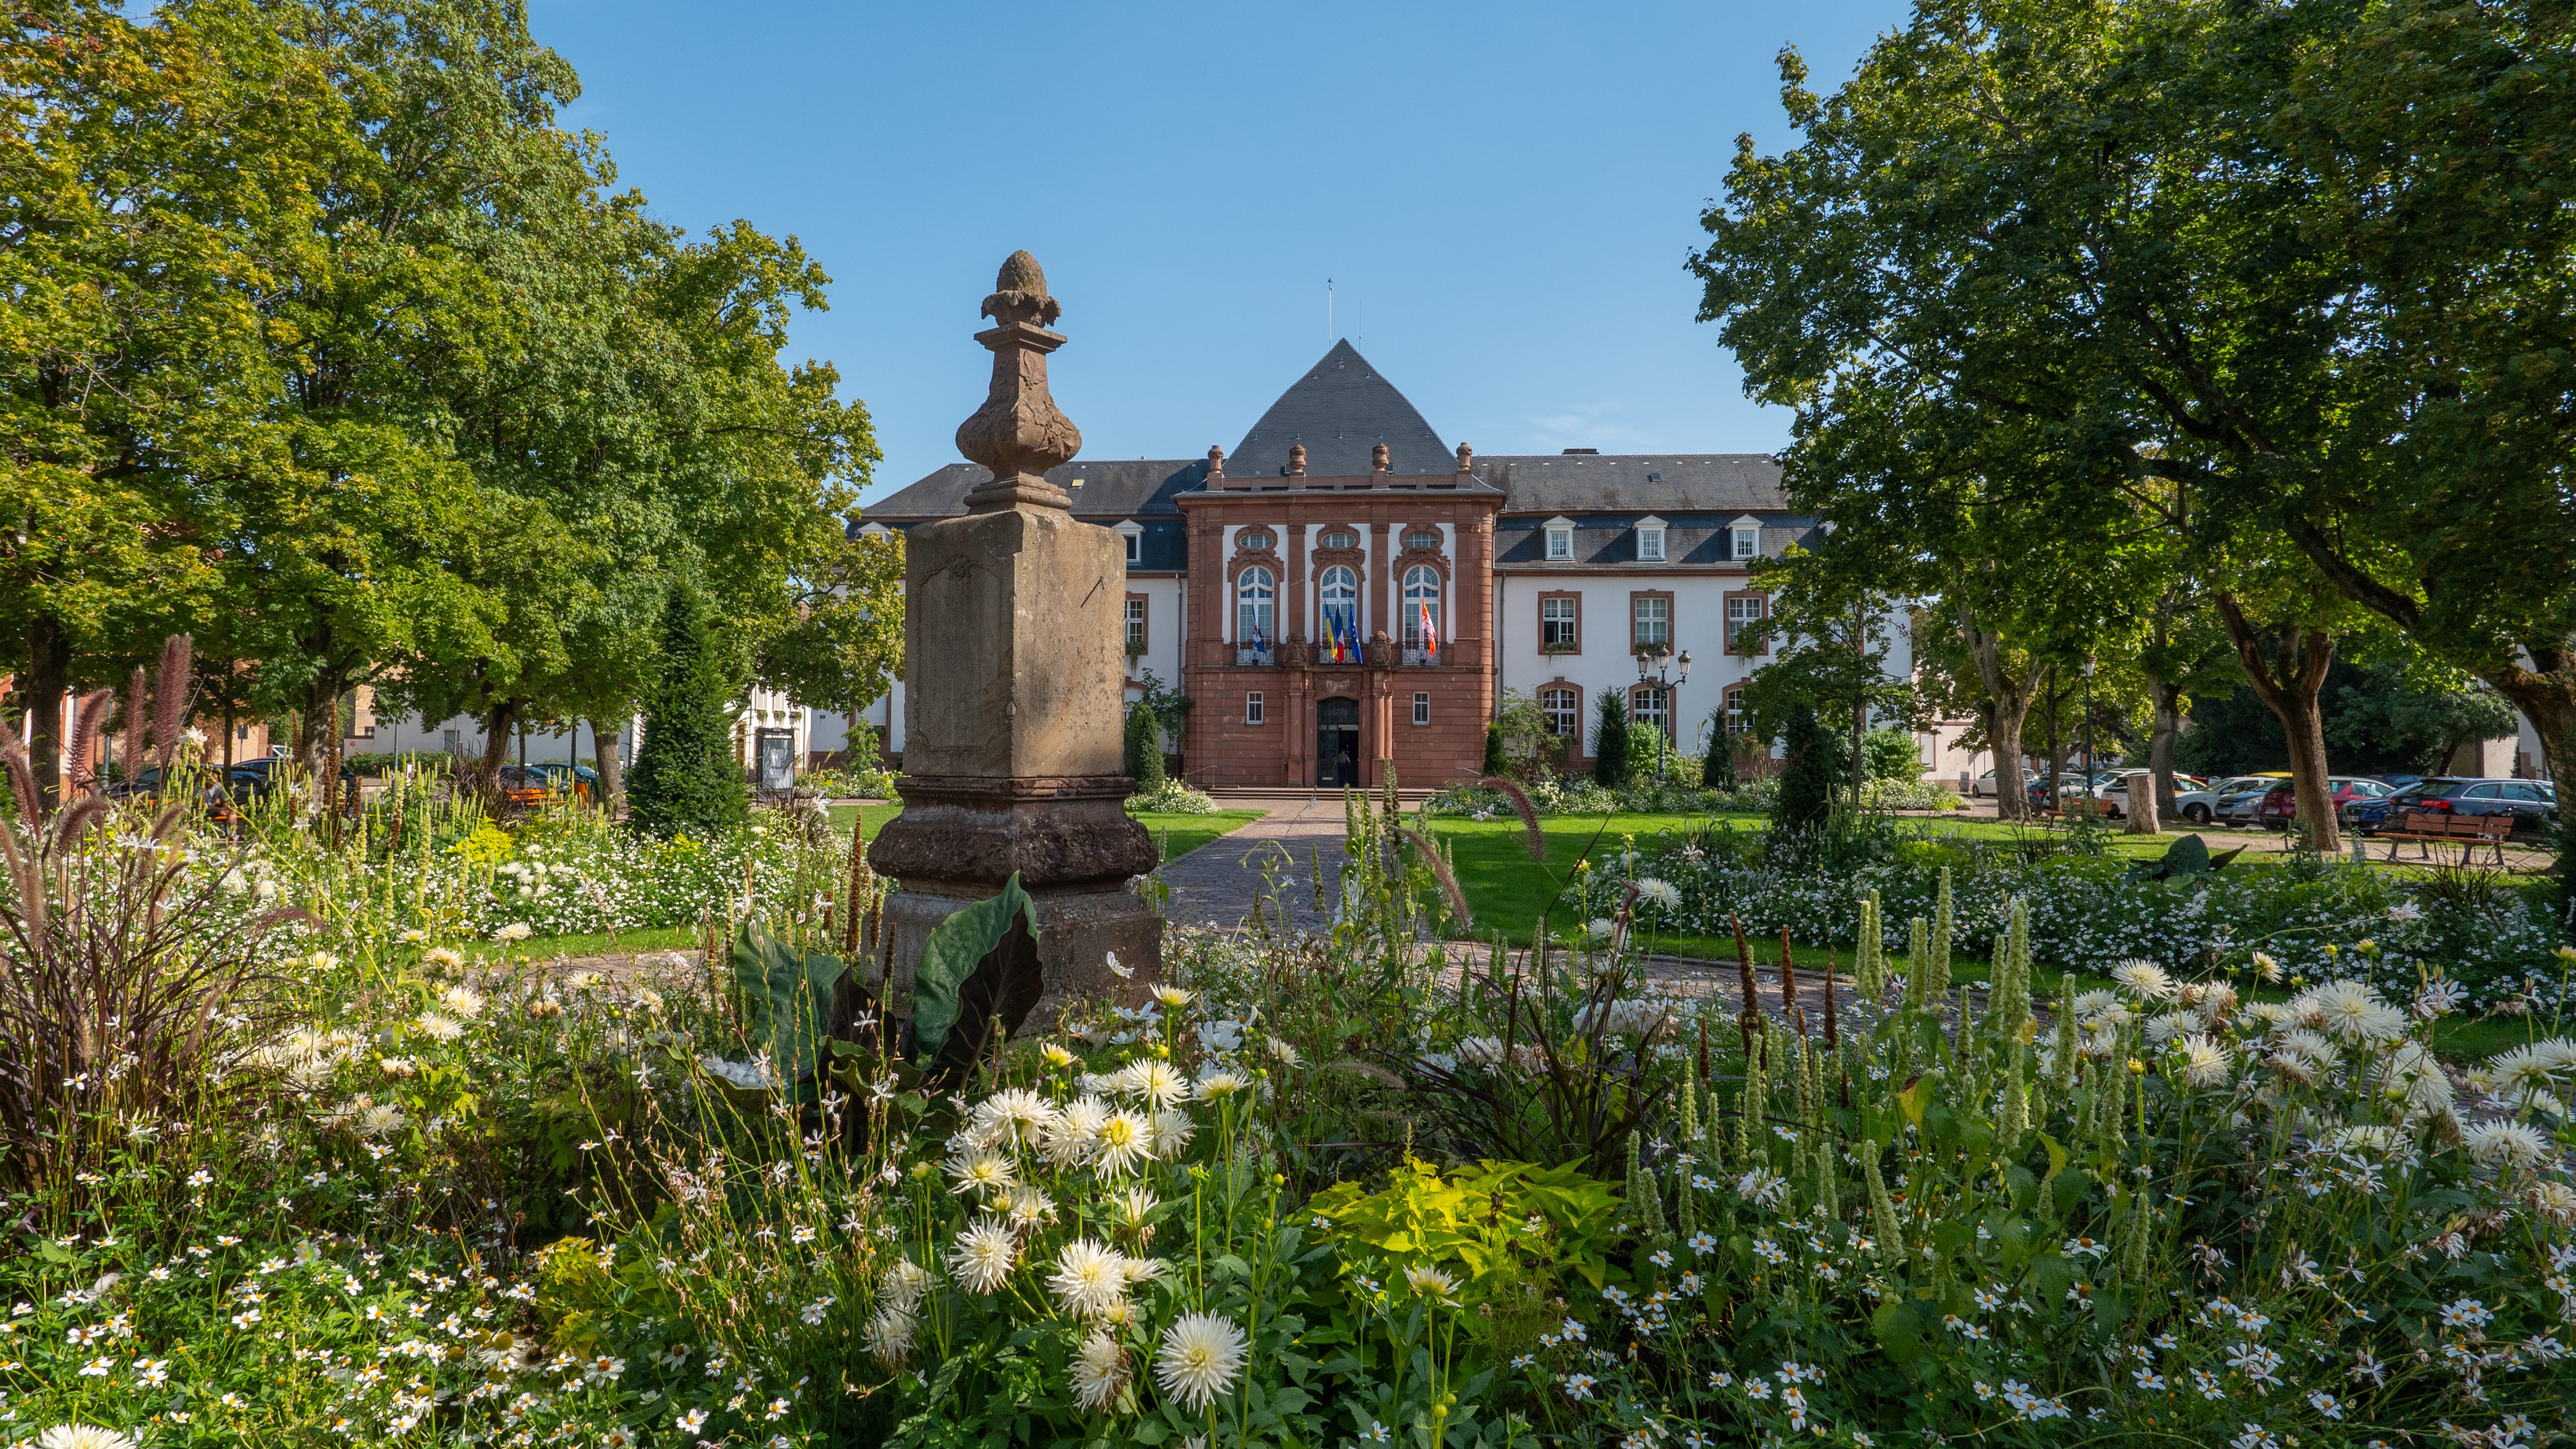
(1985, 787)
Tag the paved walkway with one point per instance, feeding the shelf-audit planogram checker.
(1215, 885)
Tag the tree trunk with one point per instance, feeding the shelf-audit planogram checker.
(1860, 710)
(2546, 695)
(498, 726)
(49, 671)
(2056, 754)
(2009, 691)
(2160, 745)
(2291, 694)
(612, 775)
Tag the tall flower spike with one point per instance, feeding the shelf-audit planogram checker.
(1918, 963)
(1882, 1208)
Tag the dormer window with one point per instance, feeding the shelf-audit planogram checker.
(1650, 540)
(1252, 538)
(1745, 537)
(1134, 533)
(1560, 540)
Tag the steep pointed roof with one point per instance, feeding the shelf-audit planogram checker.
(1339, 410)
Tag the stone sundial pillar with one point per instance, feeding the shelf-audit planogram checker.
(1014, 699)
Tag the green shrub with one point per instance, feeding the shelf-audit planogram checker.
(1807, 784)
(1610, 742)
(1144, 750)
(686, 779)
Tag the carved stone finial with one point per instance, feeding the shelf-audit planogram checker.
(1019, 432)
(1466, 459)
(1216, 464)
(1296, 460)
(1377, 457)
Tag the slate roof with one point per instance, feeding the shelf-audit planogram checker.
(1110, 491)
(1636, 483)
(1341, 409)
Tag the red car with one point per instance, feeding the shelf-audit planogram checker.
(2280, 807)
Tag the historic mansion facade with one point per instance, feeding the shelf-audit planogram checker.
(1344, 589)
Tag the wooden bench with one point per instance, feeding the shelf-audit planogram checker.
(2424, 827)
(2081, 805)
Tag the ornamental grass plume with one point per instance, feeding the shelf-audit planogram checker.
(1943, 921)
(1869, 957)
(1200, 1358)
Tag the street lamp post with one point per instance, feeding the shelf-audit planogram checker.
(1651, 670)
(2088, 731)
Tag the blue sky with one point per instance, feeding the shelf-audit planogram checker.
(1503, 194)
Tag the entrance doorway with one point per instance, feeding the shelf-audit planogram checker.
(1337, 742)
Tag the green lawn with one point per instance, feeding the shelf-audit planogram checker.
(1177, 835)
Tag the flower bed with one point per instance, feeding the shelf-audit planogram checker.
(1307, 1193)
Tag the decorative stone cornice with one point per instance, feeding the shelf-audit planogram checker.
(1019, 432)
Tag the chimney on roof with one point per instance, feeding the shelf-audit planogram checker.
(1216, 466)
(1296, 460)
(1378, 458)
(1466, 459)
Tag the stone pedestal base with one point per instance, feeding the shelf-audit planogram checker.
(1074, 847)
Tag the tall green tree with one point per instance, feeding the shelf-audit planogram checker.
(161, 172)
(1807, 774)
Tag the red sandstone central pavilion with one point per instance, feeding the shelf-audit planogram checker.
(1345, 591)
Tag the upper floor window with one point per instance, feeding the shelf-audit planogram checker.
(1748, 543)
(1560, 622)
(1422, 538)
(1253, 538)
(1654, 625)
(1135, 626)
(1337, 539)
(1338, 632)
(1650, 545)
(1256, 597)
(1743, 611)
(1560, 544)
(1422, 618)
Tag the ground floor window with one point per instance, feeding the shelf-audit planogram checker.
(1562, 711)
(1422, 709)
(1650, 705)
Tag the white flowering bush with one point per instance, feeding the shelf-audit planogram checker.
(2088, 914)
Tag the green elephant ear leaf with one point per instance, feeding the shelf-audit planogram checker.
(968, 941)
(789, 996)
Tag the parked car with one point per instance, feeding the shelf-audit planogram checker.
(2200, 804)
(1985, 785)
(2532, 803)
(580, 781)
(2236, 805)
(255, 779)
(2399, 782)
(2280, 803)
(2112, 786)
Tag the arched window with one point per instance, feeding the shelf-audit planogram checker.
(1337, 638)
(1424, 626)
(1650, 705)
(1736, 723)
(1256, 596)
(1338, 539)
